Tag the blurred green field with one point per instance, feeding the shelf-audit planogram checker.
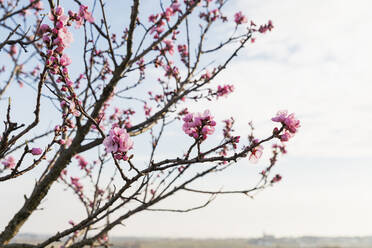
(243, 243)
(184, 243)
(266, 241)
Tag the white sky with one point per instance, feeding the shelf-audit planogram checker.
(316, 63)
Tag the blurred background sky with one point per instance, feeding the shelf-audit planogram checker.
(316, 63)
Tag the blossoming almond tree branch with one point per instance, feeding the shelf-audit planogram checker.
(115, 98)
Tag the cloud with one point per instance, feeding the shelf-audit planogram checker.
(315, 63)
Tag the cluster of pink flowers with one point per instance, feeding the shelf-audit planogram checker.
(83, 14)
(228, 127)
(262, 29)
(266, 27)
(224, 90)
(141, 65)
(171, 71)
(76, 184)
(62, 37)
(199, 125)
(157, 97)
(227, 133)
(212, 16)
(118, 142)
(183, 112)
(59, 37)
(147, 109)
(82, 162)
(169, 47)
(9, 162)
(159, 19)
(290, 123)
(206, 76)
(158, 62)
(239, 18)
(182, 49)
(126, 121)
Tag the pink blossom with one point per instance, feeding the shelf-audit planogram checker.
(59, 50)
(256, 154)
(59, 11)
(289, 121)
(153, 18)
(13, 50)
(285, 137)
(9, 162)
(72, 108)
(157, 30)
(276, 179)
(147, 110)
(118, 141)
(263, 28)
(168, 13)
(36, 151)
(171, 71)
(65, 60)
(212, 15)
(176, 7)
(169, 47)
(224, 90)
(59, 24)
(44, 28)
(83, 12)
(280, 116)
(182, 49)
(75, 182)
(84, 15)
(239, 18)
(199, 125)
(228, 127)
(206, 76)
(82, 162)
(65, 37)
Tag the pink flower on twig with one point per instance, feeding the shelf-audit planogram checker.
(36, 151)
(118, 142)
